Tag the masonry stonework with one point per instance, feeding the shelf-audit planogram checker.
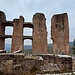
(17, 38)
(20, 64)
(60, 33)
(39, 34)
(39, 62)
(2, 29)
(39, 37)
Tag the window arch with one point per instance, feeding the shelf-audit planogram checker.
(27, 31)
(8, 30)
(28, 46)
(8, 45)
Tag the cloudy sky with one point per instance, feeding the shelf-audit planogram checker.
(27, 8)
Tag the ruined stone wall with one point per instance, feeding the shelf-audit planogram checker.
(60, 33)
(21, 64)
(39, 37)
(39, 34)
(2, 29)
(17, 37)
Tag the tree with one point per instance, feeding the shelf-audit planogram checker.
(73, 48)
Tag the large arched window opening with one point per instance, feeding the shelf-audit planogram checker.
(28, 46)
(8, 45)
(27, 31)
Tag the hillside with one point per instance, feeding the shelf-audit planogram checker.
(29, 47)
(50, 47)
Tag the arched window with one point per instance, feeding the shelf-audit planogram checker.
(28, 46)
(8, 30)
(8, 39)
(8, 45)
(27, 31)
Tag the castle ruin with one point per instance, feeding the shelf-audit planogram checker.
(59, 33)
(39, 37)
(39, 61)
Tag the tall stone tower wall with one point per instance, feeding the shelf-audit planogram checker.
(60, 33)
(39, 34)
(17, 38)
(2, 29)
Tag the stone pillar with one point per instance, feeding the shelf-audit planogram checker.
(2, 29)
(39, 34)
(60, 33)
(17, 37)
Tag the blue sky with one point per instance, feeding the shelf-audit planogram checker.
(27, 8)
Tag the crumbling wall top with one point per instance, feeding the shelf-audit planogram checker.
(39, 16)
(62, 14)
(2, 16)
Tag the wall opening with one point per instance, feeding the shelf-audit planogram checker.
(27, 31)
(8, 45)
(27, 46)
(8, 30)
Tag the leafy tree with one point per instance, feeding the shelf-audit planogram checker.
(73, 46)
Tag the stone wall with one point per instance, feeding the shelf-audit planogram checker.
(60, 33)
(17, 38)
(39, 34)
(2, 29)
(21, 64)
